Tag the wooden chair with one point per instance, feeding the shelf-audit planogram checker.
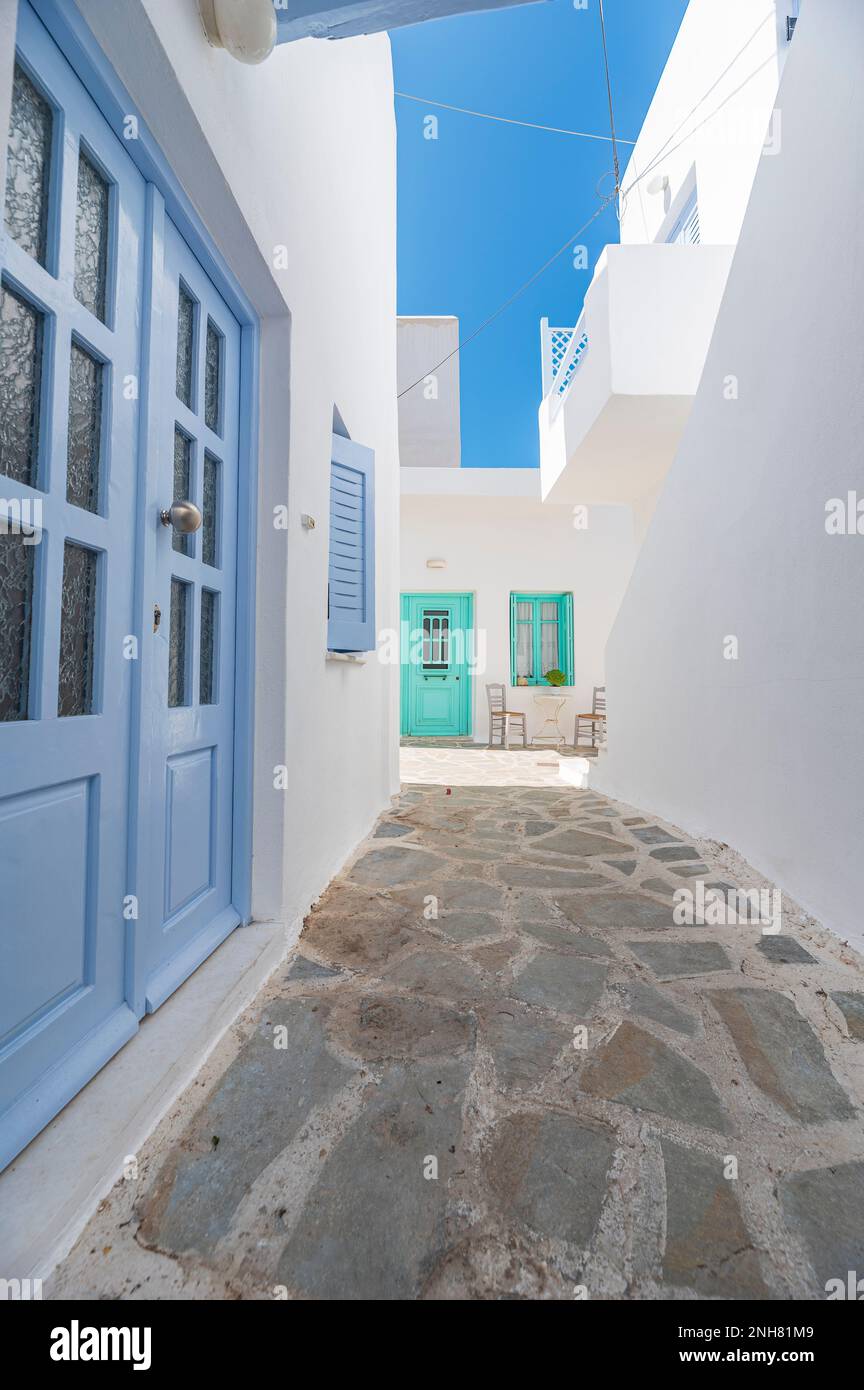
(500, 718)
(596, 720)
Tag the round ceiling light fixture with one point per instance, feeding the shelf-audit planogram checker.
(244, 28)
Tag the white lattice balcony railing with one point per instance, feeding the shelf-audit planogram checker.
(563, 350)
(619, 386)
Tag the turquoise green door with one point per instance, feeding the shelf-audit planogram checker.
(437, 639)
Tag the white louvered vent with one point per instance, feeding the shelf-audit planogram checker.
(686, 231)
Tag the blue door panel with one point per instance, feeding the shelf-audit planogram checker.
(59, 816)
(190, 819)
(187, 814)
(116, 799)
(64, 768)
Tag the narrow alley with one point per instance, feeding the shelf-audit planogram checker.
(496, 1068)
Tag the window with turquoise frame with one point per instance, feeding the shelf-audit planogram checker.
(541, 637)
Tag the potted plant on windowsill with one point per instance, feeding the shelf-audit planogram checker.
(555, 677)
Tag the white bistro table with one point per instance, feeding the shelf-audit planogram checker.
(550, 707)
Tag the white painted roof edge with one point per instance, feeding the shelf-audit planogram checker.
(427, 318)
(470, 482)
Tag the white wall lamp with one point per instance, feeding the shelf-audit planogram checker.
(436, 564)
(244, 28)
(659, 184)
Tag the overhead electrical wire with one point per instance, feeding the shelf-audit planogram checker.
(716, 83)
(506, 305)
(611, 109)
(567, 244)
(717, 109)
(508, 120)
(619, 192)
(655, 159)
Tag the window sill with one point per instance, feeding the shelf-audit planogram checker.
(350, 658)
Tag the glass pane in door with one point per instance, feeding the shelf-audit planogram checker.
(182, 485)
(77, 631)
(178, 651)
(85, 428)
(20, 387)
(213, 378)
(185, 346)
(91, 238)
(209, 647)
(28, 167)
(16, 608)
(436, 638)
(210, 524)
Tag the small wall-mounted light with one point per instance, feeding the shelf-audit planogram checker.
(659, 184)
(307, 521)
(436, 564)
(244, 28)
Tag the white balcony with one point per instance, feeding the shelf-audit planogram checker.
(618, 390)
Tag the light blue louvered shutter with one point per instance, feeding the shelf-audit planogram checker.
(686, 231)
(351, 578)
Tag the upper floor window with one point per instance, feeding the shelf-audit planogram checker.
(541, 637)
(685, 229)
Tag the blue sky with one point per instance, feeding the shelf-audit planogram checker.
(483, 206)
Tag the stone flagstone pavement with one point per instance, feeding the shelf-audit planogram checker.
(507, 1073)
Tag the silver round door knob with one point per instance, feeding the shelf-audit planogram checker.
(185, 517)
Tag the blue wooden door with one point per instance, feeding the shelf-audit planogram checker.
(119, 396)
(71, 260)
(436, 677)
(187, 755)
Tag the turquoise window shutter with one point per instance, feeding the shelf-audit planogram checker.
(564, 606)
(567, 641)
(351, 575)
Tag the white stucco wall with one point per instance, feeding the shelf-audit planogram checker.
(298, 153)
(497, 538)
(429, 413)
(651, 308)
(766, 752)
(649, 315)
(712, 110)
